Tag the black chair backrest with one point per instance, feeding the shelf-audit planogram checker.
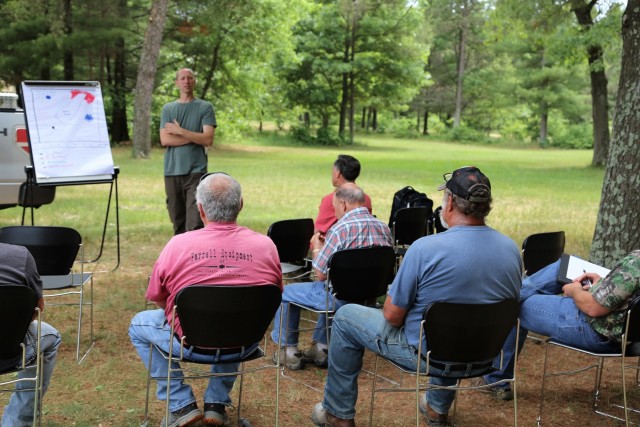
(410, 224)
(17, 304)
(542, 249)
(291, 237)
(465, 333)
(362, 275)
(53, 248)
(226, 316)
(634, 320)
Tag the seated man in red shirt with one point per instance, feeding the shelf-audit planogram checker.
(221, 253)
(345, 169)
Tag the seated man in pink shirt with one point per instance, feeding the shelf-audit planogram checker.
(345, 169)
(221, 253)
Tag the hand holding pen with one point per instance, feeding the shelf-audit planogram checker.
(587, 280)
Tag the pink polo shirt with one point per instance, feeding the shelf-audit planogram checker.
(219, 254)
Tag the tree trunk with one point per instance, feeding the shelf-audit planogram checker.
(375, 119)
(369, 118)
(599, 96)
(462, 60)
(68, 50)
(425, 123)
(119, 130)
(146, 77)
(544, 125)
(344, 102)
(616, 231)
(213, 67)
(363, 119)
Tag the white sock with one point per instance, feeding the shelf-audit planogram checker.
(322, 346)
(291, 350)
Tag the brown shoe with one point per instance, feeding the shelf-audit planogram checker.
(322, 418)
(432, 417)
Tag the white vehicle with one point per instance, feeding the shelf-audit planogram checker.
(14, 156)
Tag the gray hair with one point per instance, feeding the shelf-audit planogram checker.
(350, 194)
(220, 196)
(185, 69)
(476, 210)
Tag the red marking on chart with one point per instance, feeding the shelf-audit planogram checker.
(88, 97)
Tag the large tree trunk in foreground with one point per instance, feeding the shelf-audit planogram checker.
(618, 222)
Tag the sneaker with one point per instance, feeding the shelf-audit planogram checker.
(316, 356)
(321, 418)
(432, 418)
(295, 362)
(188, 415)
(500, 393)
(215, 415)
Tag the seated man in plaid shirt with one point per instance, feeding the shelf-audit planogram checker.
(356, 228)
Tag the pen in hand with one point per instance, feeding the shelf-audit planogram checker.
(586, 281)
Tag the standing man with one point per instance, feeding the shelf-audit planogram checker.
(356, 228)
(346, 169)
(221, 253)
(187, 126)
(470, 263)
(17, 266)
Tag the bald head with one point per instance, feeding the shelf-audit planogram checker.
(220, 198)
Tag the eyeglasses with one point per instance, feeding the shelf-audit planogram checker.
(447, 176)
(211, 173)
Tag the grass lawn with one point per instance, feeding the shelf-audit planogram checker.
(534, 191)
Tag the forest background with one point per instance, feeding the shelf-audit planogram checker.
(474, 70)
(538, 73)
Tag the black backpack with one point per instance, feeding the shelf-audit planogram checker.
(407, 197)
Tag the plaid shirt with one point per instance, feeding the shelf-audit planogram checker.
(356, 229)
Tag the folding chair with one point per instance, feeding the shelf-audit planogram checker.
(409, 225)
(291, 237)
(459, 337)
(357, 276)
(228, 318)
(630, 347)
(54, 250)
(541, 249)
(17, 306)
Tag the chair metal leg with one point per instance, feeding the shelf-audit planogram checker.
(544, 380)
(373, 390)
(146, 404)
(92, 343)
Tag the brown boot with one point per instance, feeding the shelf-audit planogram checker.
(432, 417)
(322, 418)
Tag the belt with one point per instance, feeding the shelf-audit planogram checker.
(459, 367)
(214, 351)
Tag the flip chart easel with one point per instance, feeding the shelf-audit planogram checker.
(69, 141)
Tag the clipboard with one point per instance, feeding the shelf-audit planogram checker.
(572, 267)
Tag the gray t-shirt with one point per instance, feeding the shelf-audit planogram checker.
(17, 266)
(193, 116)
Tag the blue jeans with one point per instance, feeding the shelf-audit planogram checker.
(356, 328)
(151, 327)
(311, 294)
(545, 312)
(19, 411)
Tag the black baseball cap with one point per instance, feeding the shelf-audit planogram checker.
(466, 183)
